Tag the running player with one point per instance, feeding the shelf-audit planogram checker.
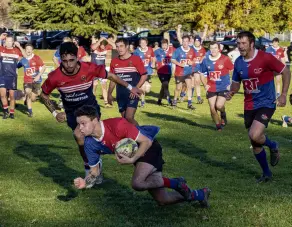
(163, 57)
(101, 138)
(147, 55)
(278, 52)
(129, 68)
(198, 77)
(33, 69)
(255, 69)
(8, 79)
(100, 50)
(183, 58)
(74, 81)
(217, 67)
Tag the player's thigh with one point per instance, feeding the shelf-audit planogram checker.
(188, 81)
(104, 84)
(178, 84)
(220, 102)
(197, 77)
(141, 172)
(3, 92)
(28, 92)
(130, 112)
(212, 97)
(11, 94)
(256, 130)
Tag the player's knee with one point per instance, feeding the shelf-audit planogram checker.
(219, 106)
(138, 186)
(254, 136)
(213, 110)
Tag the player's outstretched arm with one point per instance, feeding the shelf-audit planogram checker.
(178, 33)
(43, 69)
(90, 180)
(234, 88)
(134, 90)
(286, 77)
(144, 144)
(45, 99)
(17, 44)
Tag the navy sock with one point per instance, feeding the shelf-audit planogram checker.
(262, 159)
(30, 111)
(170, 183)
(286, 119)
(168, 99)
(182, 94)
(269, 143)
(189, 102)
(198, 195)
(199, 98)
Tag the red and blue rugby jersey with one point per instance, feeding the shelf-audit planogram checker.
(32, 67)
(146, 57)
(184, 56)
(278, 53)
(163, 60)
(217, 70)
(75, 90)
(9, 58)
(257, 78)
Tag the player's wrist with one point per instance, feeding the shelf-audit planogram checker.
(55, 113)
(129, 87)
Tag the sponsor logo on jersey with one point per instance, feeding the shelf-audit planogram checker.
(258, 70)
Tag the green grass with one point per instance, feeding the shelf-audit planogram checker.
(39, 160)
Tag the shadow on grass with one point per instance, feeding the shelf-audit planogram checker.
(177, 119)
(57, 170)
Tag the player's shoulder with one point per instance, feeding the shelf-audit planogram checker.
(114, 122)
(55, 73)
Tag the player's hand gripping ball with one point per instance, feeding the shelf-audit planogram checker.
(127, 147)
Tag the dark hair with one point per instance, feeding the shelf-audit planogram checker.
(110, 36)
(28, 45)
(88, 111)
(164, 41)
(10, 36)
(145, 39)
(123, 40)
(276, 40)
(103, 42)
(75, 38)
(247, 34)
(213, 43)
(186, 37)
(68, 48)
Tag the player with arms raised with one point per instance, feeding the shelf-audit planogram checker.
(255, 69)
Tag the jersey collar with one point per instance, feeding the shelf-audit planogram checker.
(102, 132)
(185, 50)
(214, 59)
(143, 51)
(28, 58)
(255, 54)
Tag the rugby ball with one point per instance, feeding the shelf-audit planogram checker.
(127, 147)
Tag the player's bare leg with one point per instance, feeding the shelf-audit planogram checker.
(220, 106)
(183, 92)
(177, 90)
(278, 85)
(12, 103)
(145, 177)
(95, 84)
(198, 87)
(28, 94)
(4, 101)
(189, 93)
(146, 87)
(214, 113)
(104, 93)
(129, 114)
(203, 79)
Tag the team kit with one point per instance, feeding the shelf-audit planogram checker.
(78, 74)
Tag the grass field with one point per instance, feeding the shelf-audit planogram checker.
(39, 160)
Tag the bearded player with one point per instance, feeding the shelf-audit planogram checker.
(255, 69)
(101, 138)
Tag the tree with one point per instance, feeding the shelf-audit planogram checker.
(80, 16)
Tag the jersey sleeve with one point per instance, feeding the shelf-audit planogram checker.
(112, 69)
(282, 55)
(175, 55)
(91, 147)
(99, 71)
(203, 67)
(20, 64)
(57, 54)
(82, 52)
(229, 64)
(236, 76)
(274, 64)
(40, 62)
(49, 85)
(125, 129)
(140, 66)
